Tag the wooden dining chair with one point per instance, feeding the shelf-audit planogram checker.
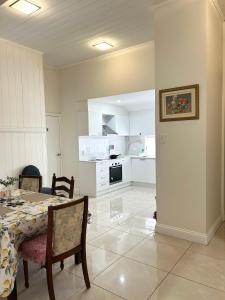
(62, 190)
(30, 183)
(66, 236)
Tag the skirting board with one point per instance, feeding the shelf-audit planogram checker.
(143, 184)
(113, 188)
(193, 236)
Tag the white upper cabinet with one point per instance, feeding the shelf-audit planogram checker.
(142, 122)
(107, 119)
(122, 125)
(95, 123)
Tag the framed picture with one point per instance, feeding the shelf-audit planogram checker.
(181, 103)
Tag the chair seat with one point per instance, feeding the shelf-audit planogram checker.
(35, 249)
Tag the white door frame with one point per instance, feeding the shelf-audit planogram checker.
(59, 116)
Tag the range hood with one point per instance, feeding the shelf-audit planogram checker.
(108, 124)
(107, 130)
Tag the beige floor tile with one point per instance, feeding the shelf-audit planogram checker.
(65, 285)
(216, 248)
(94, 230)
(116, 241)
(138, 226)
(221, 231)
(111, 219)
(156, 254)
(97, 259)
(94, 293)
(177, 288)
(202, 269)
(129, 279)
(169, 240)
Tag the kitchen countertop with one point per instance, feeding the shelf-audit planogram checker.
(124, 156)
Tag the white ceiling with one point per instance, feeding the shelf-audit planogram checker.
(65, 29)
(131, 101)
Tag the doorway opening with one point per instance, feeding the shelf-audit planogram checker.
(53, 136)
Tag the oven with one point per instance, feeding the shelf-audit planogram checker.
(115, 173)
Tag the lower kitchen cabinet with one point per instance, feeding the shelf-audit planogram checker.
(94, 175)
(143, 170)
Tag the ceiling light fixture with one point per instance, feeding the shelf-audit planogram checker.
(25, 6)
(103, 46)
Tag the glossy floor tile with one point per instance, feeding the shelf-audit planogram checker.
(116, 241)
(95, 293)
(177, 288)
(65, 285)
(97, 260)
(138, 225)
(216, 248)
(161, 238)
(128, 260)
(94, 231)
(202, 269)
(156, 254)
(130, 279)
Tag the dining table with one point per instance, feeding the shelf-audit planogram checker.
(22, 217)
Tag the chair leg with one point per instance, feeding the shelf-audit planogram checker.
(26, 274)
(84, 268)
(50, 282)
(77, 258)
(62, 265)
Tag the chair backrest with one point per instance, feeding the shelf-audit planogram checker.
(31, 171)
(67, 225)
(30, 183)
(63, 190)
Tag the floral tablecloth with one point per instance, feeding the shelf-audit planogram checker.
(21, 222)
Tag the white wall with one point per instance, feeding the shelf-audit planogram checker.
(223, 131)
(52, 84)
(22, 109)
(214, 115)
(183, 57)
(125, 72)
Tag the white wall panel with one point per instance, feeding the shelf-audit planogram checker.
(22, 109)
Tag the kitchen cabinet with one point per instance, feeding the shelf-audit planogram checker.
(122, 125)
(94, 177)
(142, 123)
(143, 170)
(126, 163)
(95, 123)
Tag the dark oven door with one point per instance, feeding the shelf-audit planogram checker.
(115, 174)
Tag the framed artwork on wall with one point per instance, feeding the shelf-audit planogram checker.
(180, 103)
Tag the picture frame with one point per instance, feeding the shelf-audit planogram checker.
(179, 104)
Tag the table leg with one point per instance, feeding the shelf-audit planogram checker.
(13, 295)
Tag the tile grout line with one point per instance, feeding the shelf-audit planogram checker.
(180, 257)
(196, 282)
(168, 273)
(110, 292)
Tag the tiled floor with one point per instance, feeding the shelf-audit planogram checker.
(127, 260)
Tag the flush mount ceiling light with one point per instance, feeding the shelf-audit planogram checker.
(25, 6)
(103, 46)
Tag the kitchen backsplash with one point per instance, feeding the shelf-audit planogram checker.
(91, 147)
(98, 147)
(138, 145)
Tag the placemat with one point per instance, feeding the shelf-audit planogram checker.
(36, 197)
(4, 210)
